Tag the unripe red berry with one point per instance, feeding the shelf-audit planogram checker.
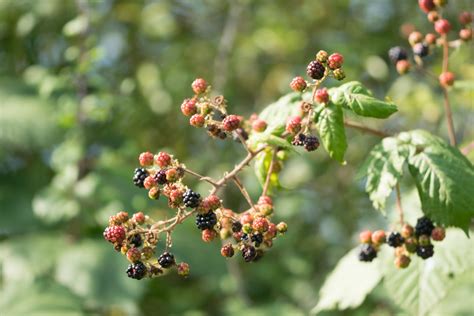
(162, 159)
(335, 61)
(403, 66)
(139, 218)
(282, 227)
(265, 199)
(365, 237)
(176, 196)
(265, 209)
(115, 234)
(183, 269)
(415, 37)
(322, 96)
(149, 182)
(272, 231)
(133, 255)
(246, 218)
(442, 26)
(322, 56)
(227, 250)
(199, 86)
(465, 34)
(231, 123)
(197, 120)
(339, 74)
(260, 224)
(118, 219)
(298, 84)
(238, 236)
(426, 5)
(188, 107)
(465, 17)
(208, 235)
(146, 159)
(430, 38)
(446, 79)
(438, 234)
(172, 175)
(213, 202)
(433, 16)
(402, 261)
(154, 193)
(379, 237)
(259, 125)
(293, 125)
(407, 231)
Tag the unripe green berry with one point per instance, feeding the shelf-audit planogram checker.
(322, 56)
(282, 227)
(339, 74)
(424, 240)
(247, 228)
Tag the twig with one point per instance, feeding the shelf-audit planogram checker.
(243, 142)
(201, 177)
(447, 105)
(244, 192)
(399, 203)
(269, 173)
(366, 129)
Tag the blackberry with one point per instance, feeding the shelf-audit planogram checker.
(240, 131)
(424, 226)
(160, 177)
(136, 240)
(425, 251)
(249, 253)
(311, 143)
(244, 237)
(257, 239)
(367, 253)
(191, 199)
(395, 239)
(421, 50)
(236, 227)
(139, 176)
(166, 260)
(397, 53)
(136, 270)
(206, 221)
(299, 140)
(315, 70)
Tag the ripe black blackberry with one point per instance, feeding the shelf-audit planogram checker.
(311, 143)
(367, 253)
(299, 140)
(425, 251)
(257, 239)
(315, 70)
(397, 53)
(139, 175)
(160, 177)
(136, 270)
(424, 226)
(421, 50)
(249, 253)
(236, 227)
(191, 199)
(136, 240)
(395, 239)
(166, 260)
(206, 221)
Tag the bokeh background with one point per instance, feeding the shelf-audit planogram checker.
(85, 86)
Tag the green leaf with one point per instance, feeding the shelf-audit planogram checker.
(354, 96)
(273, 140)
(384, 168)
(424, 283)
(261, 166)
(348, 284)
(444, 179)
(331, 130)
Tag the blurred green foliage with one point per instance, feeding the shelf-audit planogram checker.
(85, 86)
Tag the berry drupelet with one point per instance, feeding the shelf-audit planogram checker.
(206, 221)
(367, 253)
(166, 260)
(191, 199)
(424, 226)
(395, 239)
(136, 270)
(136, 240)
(311, 143)
(396, 54)
(139, 176)
(315, 70)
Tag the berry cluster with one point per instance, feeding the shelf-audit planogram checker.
(406, 242)
(132, 237)
(423, 45)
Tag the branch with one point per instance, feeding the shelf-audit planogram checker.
(399, 203)
(366, 129)
(244, 192)
(201, 177)
(269, 173)
(447, 105)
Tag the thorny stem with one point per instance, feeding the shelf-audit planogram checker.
(447, 105)
(366, 129)
(201, 177)
(243, 191)
(399, 203)
(269, 173)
